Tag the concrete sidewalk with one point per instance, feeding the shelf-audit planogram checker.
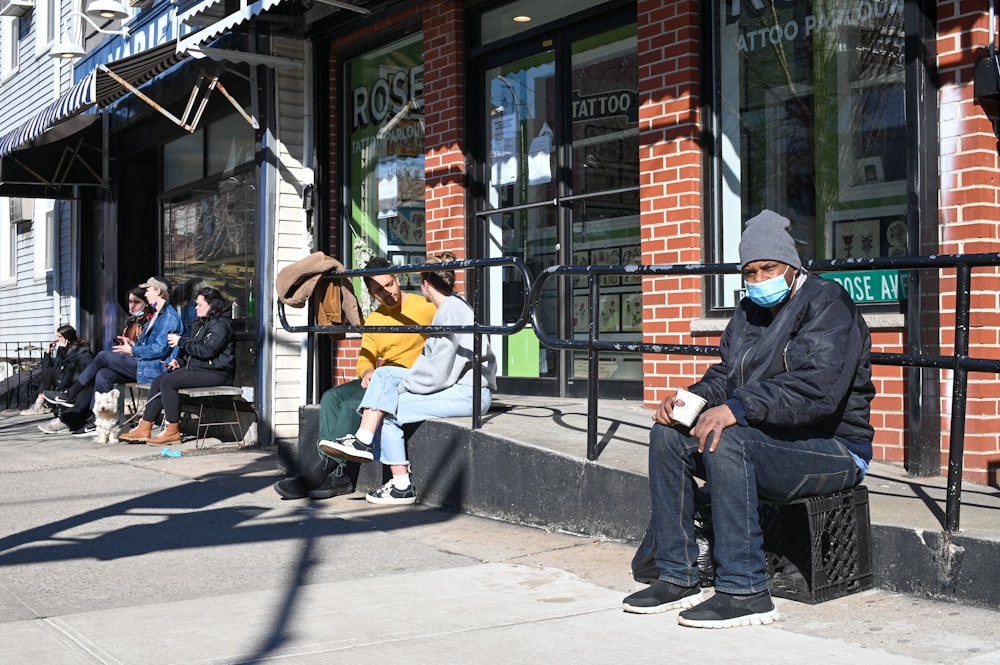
(113, 554)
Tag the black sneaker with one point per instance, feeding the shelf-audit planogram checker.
(347, 447)
(727, 610)
(335, 484)
(388, 495)
(90, 429)
(291, 488)
(662, 596)
(60, 397)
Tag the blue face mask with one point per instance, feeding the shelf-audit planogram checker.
(770, 292)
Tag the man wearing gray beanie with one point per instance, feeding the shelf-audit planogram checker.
(787, 415)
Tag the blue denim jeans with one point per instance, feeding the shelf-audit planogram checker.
(101, 375)
(403, 408)
(747, 464)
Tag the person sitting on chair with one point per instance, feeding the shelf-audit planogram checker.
(140, 361)
(206, 359)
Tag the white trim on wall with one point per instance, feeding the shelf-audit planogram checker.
(44, 225)
(9, 47)
(8, 243)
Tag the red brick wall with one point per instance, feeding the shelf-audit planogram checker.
(969, 223)
(444, 132)
(444, 90)
(671, 216)
(670, 181)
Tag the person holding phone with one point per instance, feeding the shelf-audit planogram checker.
(125, 362)
(67, 355)
(206, 359)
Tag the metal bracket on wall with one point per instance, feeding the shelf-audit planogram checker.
(203, 87)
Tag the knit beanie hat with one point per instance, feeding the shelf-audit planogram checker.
(766, 238)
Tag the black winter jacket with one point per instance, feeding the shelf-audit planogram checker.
(209, 346)
(70, 361)
(801, 374)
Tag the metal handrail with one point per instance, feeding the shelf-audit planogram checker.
(959, 362)
(18, 360)
(477, 329)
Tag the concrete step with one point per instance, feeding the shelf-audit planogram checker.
(527, 465)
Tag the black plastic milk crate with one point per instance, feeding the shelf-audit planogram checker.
(819, 547)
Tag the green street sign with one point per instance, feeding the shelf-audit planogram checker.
(872, 285)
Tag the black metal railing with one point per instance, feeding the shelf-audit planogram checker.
(959, 361)
(19, 362)
(471, 268)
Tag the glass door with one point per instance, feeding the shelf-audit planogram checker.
(559, 123)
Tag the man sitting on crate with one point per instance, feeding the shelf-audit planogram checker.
(787, 416)
(338, 415)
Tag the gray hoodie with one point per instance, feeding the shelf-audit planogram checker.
(447, 357)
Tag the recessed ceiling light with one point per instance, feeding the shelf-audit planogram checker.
(522, 19)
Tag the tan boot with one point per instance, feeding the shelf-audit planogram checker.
(140, 434)
(172, 434)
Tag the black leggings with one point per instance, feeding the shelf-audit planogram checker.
(163, 390)
(48, 379)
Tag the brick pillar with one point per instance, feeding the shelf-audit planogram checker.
(670, 181)
(970, 223)
(444, 131)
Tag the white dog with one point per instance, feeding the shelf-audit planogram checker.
(106, 416)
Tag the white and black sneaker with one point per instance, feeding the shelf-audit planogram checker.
(388, 495)
(724, 610)
(347, 447)
(60, 397)
(87, 430)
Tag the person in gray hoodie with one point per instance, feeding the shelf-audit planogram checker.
(438, 385)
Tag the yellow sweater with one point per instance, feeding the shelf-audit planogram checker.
(396, 349)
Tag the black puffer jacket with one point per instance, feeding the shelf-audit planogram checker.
(209, 346)
(804, 373)
(71, 363)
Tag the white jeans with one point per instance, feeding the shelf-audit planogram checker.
(403, 408)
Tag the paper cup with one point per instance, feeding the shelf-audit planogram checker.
(687, 406)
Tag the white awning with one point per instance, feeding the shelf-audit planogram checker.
(205, 11)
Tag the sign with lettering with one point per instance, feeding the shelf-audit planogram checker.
(873, 286)
(608, 104)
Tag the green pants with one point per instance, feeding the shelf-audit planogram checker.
(338, 410)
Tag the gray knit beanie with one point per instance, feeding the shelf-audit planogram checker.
(766, 238)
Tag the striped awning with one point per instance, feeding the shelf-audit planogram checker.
(136, 69)
(97, 88)
(79, 98)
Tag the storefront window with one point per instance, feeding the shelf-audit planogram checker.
(209, 239)
(184, 160)
(386, 174)
(209, 227)
(231, 142)
(811, 111)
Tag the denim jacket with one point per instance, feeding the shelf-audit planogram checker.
(151, 350)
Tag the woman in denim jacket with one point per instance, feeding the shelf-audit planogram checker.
(206, 359)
